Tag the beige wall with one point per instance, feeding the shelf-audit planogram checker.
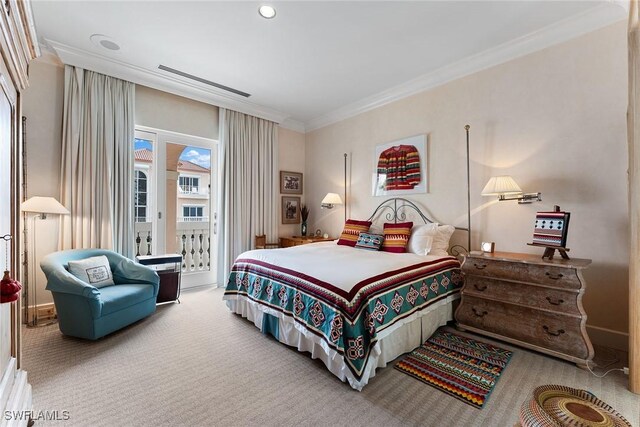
(42, 105)
(162, 110)
(291, 157)
(554, 120)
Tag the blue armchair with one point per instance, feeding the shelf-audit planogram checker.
(88, 312)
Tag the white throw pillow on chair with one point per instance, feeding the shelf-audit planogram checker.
(94, 271)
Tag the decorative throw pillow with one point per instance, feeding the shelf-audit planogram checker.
(94, 271)
(421, 238)
(351, 231)
(369, 241)
(440, 243)
(396, 236)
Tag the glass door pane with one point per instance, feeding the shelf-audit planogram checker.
(189, 211)
(144, 209)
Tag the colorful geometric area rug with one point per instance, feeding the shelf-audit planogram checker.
(457, 365)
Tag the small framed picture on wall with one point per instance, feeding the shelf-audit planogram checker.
(290, 210)
(290, 182)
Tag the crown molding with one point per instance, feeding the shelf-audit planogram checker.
(161, 81)
(293, 125)
(49, 56)
(561, 31)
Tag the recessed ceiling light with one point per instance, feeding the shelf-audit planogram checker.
(104, 42)
(267, 12)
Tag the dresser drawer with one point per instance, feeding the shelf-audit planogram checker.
(551, 331)
(561, 277)
(519, 293)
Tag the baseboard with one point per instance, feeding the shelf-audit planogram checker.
(45, 312)
(609, 338)
(16, 401)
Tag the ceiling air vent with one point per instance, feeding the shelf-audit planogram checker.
(205, 81)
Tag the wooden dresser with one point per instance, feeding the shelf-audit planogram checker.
(528, 301)
(286, 242)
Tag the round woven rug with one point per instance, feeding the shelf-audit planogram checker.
(557, 405)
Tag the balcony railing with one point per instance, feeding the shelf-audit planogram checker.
(194, 219)
(193, 191)
(193, 241)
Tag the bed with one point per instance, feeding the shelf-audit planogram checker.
(354, 309)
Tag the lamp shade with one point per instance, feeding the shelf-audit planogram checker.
(46, 205)
(501, 185)
(332, 199)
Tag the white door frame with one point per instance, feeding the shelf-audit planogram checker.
(161, 138)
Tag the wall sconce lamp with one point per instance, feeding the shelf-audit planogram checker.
(330, 200)
(506, 188)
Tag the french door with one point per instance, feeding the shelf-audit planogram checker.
(7, 229)
(175, 200)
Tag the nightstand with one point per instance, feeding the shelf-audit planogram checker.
(528, 301)
(286, 242)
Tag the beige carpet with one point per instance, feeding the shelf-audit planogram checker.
(196, 364)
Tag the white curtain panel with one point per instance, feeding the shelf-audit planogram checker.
(248, 186)
(97, 162)
(633, 134)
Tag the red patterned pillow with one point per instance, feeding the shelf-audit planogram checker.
(351, 231)
(396, 236)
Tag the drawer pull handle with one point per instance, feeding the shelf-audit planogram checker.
(480, 266)
(554, 334)
(480, 287)
(479, 313)
(554, 276)
(556, 302)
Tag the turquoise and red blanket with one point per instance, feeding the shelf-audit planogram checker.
(348, 321)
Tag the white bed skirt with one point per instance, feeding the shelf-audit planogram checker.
(402, 337)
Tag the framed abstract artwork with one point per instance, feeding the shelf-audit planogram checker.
(400, 167)
(551, 228)
(290, 182)
(290, 210)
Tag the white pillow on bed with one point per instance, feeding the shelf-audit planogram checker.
(421, 240)
(440, 243)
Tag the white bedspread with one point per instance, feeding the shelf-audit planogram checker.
(349, 266)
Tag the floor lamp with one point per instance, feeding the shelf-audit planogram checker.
(41, 206)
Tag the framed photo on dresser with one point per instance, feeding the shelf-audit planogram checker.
(551, 228)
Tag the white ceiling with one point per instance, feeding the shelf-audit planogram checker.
(316, 62)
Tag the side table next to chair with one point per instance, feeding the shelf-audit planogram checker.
(169, 269)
